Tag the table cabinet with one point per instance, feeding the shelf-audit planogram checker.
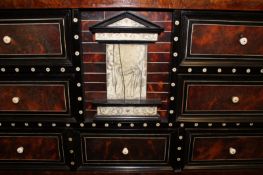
(141, 88)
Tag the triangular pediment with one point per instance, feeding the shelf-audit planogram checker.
(126, 23)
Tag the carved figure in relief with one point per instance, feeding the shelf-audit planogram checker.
(126, 71)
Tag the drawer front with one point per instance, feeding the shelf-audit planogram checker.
(31, 38)
(213, 37)
(221, 148)
(30, 148)
(219, 97)
(36, 97)
(226, 39)
(124, 148)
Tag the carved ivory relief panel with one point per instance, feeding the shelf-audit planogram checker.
(129, 110)
(126, 70)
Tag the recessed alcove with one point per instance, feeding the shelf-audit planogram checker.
(126, 37)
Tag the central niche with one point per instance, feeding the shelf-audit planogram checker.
(126, 37)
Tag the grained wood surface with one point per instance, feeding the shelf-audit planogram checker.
(178, 4)
(202, 97)
(217, 148)
(215, 39)
(46, 98)
(110, 149)
(31, 39)
(36, 148)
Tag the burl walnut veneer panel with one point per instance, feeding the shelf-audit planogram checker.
(158, 63)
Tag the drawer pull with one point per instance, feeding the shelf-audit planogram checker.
(125, 151)
(243, 41)
(232, 151)
(20, 150)
(7, 39)
(15, 100)
(235, 99)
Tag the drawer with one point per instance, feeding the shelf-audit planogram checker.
(30, 38)
(26, 37)
(223, 36)
(34, 97)
(228, 99)
(216, 96)
(125, 148)
(215, 148)
(31, 148)
(226, 39)
(229, 148)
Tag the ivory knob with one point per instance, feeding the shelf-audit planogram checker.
(7, 39)
(125, 151)
(243, 41)
(20, 150)
(232, 151)
(235, 99)
(15, 100)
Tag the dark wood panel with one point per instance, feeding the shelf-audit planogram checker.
(95, 86)
(93, 15)
(167, 26)
(158, 67)
(95, 78)
(159, 57)
(31, 39)
(87, 37)
(160, 78)
(85, 24)
(93, 47)
(94, 58)
(163, 114)
(90, 114)
(35, 148)
(202, 97)
(98, 67)
(160, 96)
(160, 87)
(218, 148)
(178, 4)
(211, 40)
(46, 98)
(89, 106)
(159, 47)
(111, 149)
(95, 95)
(164, 37)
